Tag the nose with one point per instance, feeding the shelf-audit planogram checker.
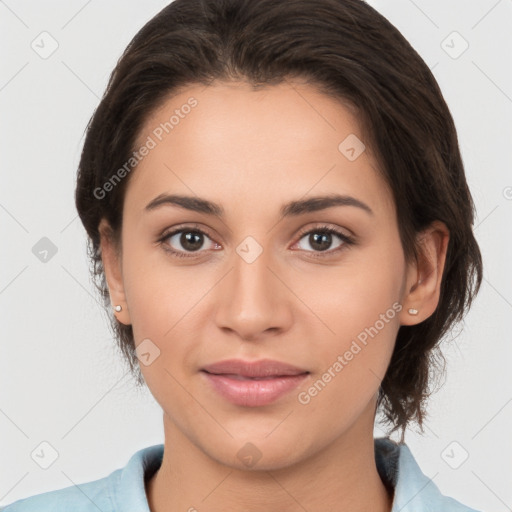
(254, 301)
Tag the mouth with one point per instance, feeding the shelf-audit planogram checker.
(235, 376)
(263, 368)
(253, 384)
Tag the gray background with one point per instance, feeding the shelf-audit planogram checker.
(62, 381)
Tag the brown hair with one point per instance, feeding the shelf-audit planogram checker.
(350, 52)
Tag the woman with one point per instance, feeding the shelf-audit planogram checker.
(280, 224)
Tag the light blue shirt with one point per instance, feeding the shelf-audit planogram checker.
(123, 490)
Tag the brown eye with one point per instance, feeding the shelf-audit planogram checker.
(186, 240)
(322, 239)
(191, 240)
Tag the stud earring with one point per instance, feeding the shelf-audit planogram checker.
(118, 308)
(413, 311)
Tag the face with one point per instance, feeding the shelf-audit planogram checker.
(318, 286)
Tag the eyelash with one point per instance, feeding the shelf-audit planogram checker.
(347, 240)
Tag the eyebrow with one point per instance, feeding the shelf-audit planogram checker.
(291, 209)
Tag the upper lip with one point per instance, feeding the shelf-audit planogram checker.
(261, 368)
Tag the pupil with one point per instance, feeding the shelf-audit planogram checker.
(317, 239)
(191, 241)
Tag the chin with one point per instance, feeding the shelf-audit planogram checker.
(258, 453)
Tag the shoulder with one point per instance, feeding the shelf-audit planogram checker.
(79, 498)
(413, 490)
(122, 489)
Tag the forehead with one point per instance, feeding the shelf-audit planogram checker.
(221, 140)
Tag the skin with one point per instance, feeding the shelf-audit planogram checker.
(251, 152)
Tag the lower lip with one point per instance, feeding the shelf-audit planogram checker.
(254, 393)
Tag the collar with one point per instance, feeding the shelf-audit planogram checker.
(413, 491)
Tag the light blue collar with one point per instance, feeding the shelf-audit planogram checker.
(413, 491)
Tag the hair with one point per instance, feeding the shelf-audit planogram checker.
(349, 52)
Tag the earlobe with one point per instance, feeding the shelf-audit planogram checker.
(423, 287)
(111, 258)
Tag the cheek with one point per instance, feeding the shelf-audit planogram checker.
(353, 363)
(165, 303)
(160, 295)
(360, 310)
(356, 294)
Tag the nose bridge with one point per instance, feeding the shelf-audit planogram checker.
(252, 297)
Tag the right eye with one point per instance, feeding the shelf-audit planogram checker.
(185, 240)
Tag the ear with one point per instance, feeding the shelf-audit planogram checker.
(112, 264)
(424, 276)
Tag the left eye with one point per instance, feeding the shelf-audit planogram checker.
(321, 239)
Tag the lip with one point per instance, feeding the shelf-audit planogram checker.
(253, 384)
(261, 368)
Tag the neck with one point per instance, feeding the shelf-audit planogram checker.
(342, 476)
